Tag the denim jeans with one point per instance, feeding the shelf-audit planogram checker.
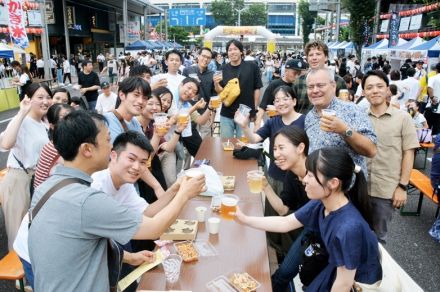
(27, 267)
(289, 268)
(228, 127)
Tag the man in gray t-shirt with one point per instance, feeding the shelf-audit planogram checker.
(67, 239)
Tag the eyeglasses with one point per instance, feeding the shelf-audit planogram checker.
(318, 85)
(283, 98)
(206, 57)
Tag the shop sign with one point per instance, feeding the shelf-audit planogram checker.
(50, 15)
(4, 17)
(70, 16)
(16, 23)
(34, 18)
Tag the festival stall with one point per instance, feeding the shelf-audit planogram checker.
(428, 51)
(398, 54)
(8, 93)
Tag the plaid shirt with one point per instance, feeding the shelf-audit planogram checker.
(303, 105)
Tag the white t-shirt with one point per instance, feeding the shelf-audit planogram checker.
(31, 138)
(173, 84)
(21, 241)
(66, 66)
(40, 63)
(434, 83)
(106, 103)
(411, 87)
(126, 195)
(419, 120)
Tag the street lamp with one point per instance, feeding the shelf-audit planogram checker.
(239, 14)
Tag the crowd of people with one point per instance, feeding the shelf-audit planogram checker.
(341, 148)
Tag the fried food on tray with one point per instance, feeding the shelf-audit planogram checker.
(243, 282)
(187, 251)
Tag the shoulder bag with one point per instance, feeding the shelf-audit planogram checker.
(424, 135)
(231, 91)
(115, 253)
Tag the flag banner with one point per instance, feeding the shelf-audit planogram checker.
(17, 29)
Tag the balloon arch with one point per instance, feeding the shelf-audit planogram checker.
(241, 30)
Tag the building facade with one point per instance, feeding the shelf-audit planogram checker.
(281, 14)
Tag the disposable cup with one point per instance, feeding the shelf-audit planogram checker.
(160, 118)
(244, 109)
(255, 181)
(213, 225)
(271, 111)
(328, 112)
(171, 266)
(200, 211)
(194, 172)
(215, 101)
(228, 205)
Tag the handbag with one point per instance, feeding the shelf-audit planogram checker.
(424, 135)
(230, 92)
(115, 253)
(314, 258)
(245, 153)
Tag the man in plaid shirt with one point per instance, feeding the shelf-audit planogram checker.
(317, 56)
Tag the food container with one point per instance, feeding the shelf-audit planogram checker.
(181, 230)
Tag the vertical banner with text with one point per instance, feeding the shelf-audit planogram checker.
(16, 23)
(394, 30)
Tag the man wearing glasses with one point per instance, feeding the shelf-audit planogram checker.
(335, 123)
(201, 72)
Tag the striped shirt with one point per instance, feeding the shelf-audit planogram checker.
(48, 157)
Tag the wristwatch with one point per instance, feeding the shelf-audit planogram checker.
(348, 132)
(402, 186)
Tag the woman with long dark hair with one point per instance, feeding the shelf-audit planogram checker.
(339, 210)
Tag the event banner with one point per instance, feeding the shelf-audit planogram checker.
(16, 26)
(394, 30)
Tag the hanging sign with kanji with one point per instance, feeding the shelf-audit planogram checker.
(16, 24)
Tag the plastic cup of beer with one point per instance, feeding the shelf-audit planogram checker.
(213, 225)
(229, 204)
(215, 101)
(160, 120)
(344, 94)
(255, 181)
(171, 266)
(194, 172)
(328, 112)
(200, 211)
(244, 139)
(271, 111)
(183, 116)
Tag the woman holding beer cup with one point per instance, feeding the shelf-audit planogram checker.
(284, 101)
(340, 212)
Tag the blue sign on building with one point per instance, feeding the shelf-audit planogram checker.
(187, 17)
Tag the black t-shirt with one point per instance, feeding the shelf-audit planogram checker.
(268, 96)
(294, 194)
(249, 77)
(206, 82)
(89, 80)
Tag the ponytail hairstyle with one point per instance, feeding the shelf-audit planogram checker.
(337, 163)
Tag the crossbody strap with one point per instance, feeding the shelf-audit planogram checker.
(49, 193)
(21, 164)
(120, 119)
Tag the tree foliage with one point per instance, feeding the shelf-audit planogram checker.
(361, 14)
(224, 12)
(307, 19)
(255, 14)
(178, 33)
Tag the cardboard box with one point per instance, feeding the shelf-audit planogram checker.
(181, 230)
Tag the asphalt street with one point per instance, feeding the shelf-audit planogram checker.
(409, 242)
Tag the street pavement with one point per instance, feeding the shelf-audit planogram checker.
(409, 242)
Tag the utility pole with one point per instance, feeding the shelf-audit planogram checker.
(239, 15)
(66, 31)
(338, 19)
(45, 42)
(376, 20)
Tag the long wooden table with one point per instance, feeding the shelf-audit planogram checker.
(240, 248)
